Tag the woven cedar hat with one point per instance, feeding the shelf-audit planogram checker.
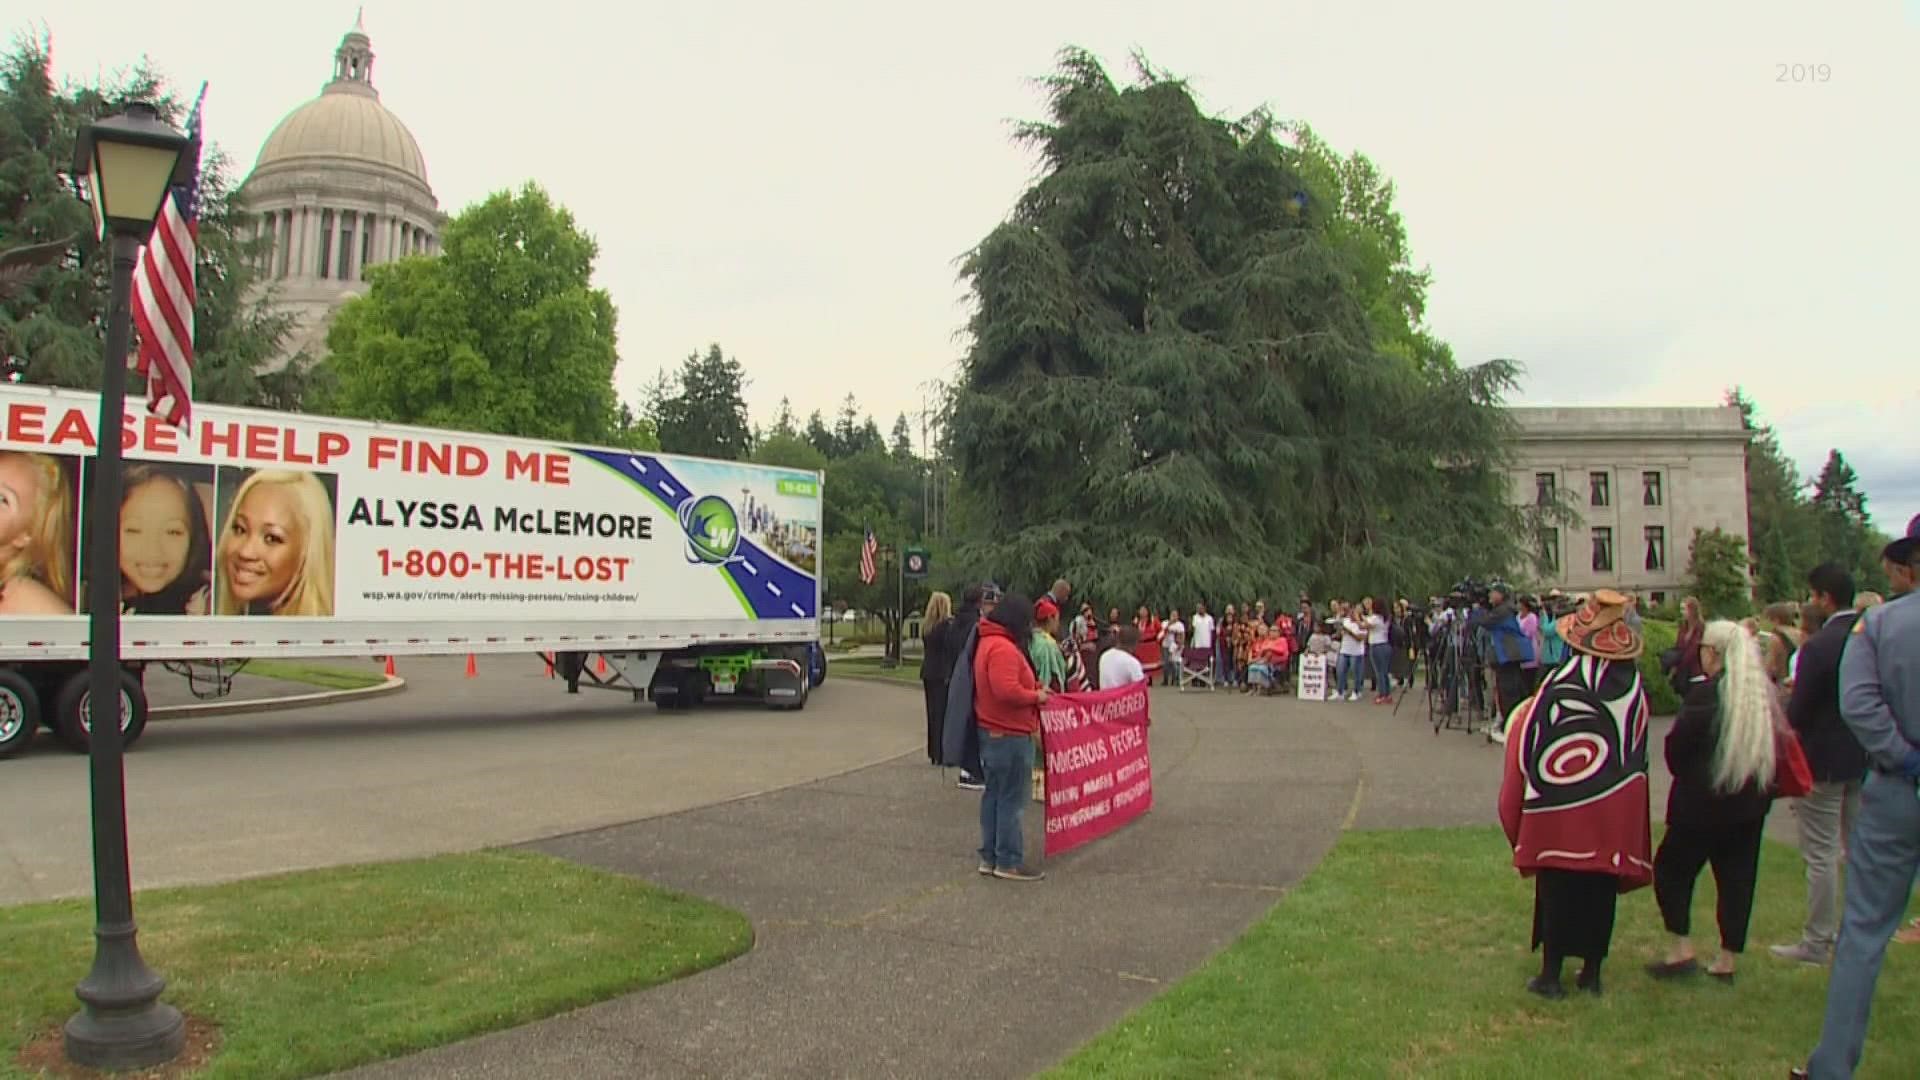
(1599, 628)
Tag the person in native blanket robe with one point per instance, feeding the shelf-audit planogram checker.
(1573, 799)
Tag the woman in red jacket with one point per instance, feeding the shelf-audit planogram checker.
(1007, 700)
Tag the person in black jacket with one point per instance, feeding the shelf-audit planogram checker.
(936, 668)
(1839, 763)
(1721, 753)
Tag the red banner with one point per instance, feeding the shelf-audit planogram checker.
(1098, 774)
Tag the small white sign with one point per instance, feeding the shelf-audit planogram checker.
(1313, 678)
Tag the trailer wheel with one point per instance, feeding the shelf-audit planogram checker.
(19, 712)
(73, 722)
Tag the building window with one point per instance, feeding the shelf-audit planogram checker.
(1659, 599)
(366, 251)
(1543, 489)
(1656, 548)
(1650, 494)
(346, 247)
(1550, 550)
(326, 242)
(1603, 550)
(1598, 489)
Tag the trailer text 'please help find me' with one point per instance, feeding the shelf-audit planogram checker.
(255, 534)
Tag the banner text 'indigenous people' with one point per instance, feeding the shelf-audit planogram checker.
(1099, 776)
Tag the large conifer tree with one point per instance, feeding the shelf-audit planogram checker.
(1174, 388)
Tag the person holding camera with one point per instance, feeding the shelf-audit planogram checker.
(1508, 651)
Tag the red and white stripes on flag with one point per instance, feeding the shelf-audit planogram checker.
(164, 291)
(868, 549)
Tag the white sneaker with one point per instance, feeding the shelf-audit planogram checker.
(1353, 697)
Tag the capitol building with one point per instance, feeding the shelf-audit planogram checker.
(340, 185)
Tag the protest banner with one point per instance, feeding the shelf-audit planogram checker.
(1099, 776)
(1313, 678)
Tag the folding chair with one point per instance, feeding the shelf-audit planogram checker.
(1196, 669)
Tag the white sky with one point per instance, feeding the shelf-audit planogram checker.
(1624, 199)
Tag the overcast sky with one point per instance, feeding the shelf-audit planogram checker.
(1628, 200)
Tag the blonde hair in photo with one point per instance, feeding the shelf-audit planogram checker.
(48, 556)
(311, 591)
(1744, 752)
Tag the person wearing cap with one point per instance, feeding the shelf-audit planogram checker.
(1057, 666)
(1573, 793)
(1880, 701)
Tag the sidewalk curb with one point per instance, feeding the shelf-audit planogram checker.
(393, 684)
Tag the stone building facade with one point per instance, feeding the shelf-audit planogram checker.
(340, 185)
(1641, 481)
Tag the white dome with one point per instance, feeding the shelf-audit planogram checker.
(346, 123)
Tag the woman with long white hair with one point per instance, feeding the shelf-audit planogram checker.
(1721, 753)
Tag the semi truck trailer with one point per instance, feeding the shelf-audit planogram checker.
(249, 533)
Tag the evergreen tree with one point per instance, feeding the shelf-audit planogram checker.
(784, 422)
(704, 411)
(1840, 511)
(902, 443)
(819, 437)
(53, 327)
(1174, 386)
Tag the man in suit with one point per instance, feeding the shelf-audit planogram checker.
(1839, 763)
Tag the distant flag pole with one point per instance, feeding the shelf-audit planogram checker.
(868, 549)
(164, 292)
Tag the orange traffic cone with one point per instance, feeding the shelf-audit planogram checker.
(603, 664)
(390, 665)
(472, 668)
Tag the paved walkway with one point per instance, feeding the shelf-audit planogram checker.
(880, 953)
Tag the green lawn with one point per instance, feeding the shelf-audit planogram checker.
(324, 676)
(868, 667)
(1404, 954)
(312, 972)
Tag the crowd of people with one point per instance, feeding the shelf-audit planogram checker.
(1816, 702)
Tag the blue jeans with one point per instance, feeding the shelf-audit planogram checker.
(1349, 666)
(1882, 856)
(1381, 658)
(1008, 761)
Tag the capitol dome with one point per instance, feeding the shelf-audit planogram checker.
(340, 185)
(346, 122)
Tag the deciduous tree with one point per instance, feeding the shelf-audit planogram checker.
(503, 332)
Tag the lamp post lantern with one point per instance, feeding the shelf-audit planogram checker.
(129, 160)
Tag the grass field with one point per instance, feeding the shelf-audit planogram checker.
(1404, 954)
(869, 667)
(312, 972)
(325, 676)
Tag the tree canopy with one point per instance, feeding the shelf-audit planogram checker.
(1194, 368)
(1789, 529)
(701, 409)
(52, 329)
(503, 332)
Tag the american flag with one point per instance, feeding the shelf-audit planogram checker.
(163, 290)
(868, 549)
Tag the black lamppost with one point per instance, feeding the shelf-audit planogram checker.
(129, 161)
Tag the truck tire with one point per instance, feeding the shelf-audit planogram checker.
(19, 712)
(70, 721)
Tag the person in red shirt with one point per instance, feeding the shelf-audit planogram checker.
(1007, 700)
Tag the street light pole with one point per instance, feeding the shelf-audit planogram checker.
(130, 160)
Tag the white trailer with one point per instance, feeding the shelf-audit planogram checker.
(251, 534)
